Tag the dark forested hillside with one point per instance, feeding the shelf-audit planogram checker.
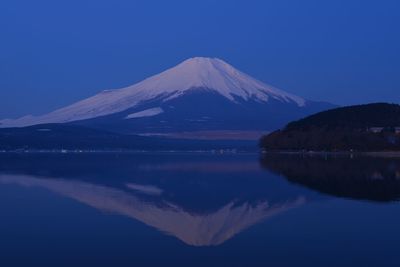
(352, 117)
(372, 127)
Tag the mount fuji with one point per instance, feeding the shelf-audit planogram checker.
(199, 94)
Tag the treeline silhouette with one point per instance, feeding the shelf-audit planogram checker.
(372, 127)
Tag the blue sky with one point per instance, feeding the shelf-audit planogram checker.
(53, 53)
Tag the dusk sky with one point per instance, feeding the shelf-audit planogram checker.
(53, 53)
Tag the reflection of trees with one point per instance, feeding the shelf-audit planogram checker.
(369, 178)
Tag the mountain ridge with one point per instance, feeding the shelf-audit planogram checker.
(158, 94)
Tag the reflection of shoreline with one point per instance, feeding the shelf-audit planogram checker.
(384, 154)
(203, 167)
(349, 154)
(193, 229)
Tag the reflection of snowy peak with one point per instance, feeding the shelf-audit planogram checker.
(193, 229)
(202, 76)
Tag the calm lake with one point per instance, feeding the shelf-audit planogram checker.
(198, 210)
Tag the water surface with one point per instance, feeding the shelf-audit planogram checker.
(198, 210)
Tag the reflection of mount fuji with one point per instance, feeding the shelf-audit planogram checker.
(193, 229)
(200, 202)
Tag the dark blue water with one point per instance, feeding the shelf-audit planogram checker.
(198, 210)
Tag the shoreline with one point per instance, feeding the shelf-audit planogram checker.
(62, 152)
(389, 154)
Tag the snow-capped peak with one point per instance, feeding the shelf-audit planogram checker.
(215, 74)
(199, 72)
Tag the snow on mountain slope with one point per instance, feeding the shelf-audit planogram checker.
(206, 73)
(145, 113)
